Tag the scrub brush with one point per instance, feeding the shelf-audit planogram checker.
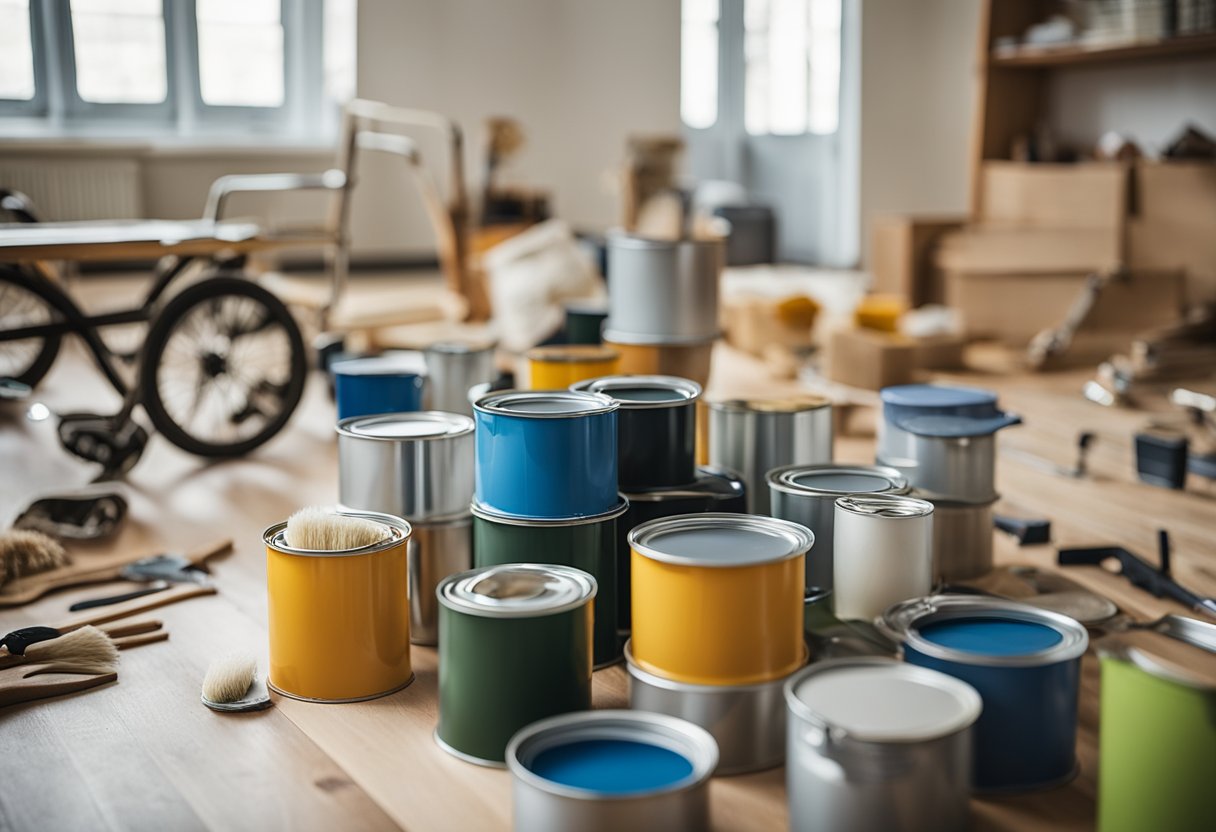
(321, 530)
(28, 552)
(232, 684)
(86, 650)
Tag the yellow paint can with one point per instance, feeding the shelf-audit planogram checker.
(718, 598)
(339, 620)
(557, 367)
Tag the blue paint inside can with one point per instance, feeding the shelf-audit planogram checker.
(991, 636)
(612, 766)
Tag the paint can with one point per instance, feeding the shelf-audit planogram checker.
(656, 428)
(754, 436)
(557, 367)
(876, 744)
(662, 291)
(1026, 664)
(453, 367)
(413, 465)
(684, 360)
(585, 320)
(380, 384)
(586, 543)
(514, 647)
(546, 453)
(609, 770)
(339, 621)
(807, 494)
(883, 553)
(962, 539)
(746, 721)
(717, 598)
(1157, 736)
(437, 549)
(955, 457)
(910, 400)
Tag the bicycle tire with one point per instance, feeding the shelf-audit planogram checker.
(49, 348)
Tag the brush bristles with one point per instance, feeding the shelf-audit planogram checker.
(29, 552)
(87, 650)
(229, 678)
(319, 529)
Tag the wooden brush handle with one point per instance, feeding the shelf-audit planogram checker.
(181, 592)
(22, 684)
(135, 628)
(128, 642)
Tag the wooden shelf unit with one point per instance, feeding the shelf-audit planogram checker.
(1073, 54)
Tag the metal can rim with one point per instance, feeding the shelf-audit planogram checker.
(784, 479)
(634, 669)
(680, 492)
(621, 238)
(572, 354)
(492, 404)
(401, 528)
(444, 591)
(690, 741)
(800, 537)
(464, 424)
(886, 506)
(483, 512)
(1200, 635)
(626, 338)
(800, 403)
(458, 347)
(604, 385)
(398, 369)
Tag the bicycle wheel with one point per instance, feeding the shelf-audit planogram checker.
(223, 367)
(24, 302)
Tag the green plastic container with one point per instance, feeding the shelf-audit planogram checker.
(1157, 741)
(586, 543)
(514, 647)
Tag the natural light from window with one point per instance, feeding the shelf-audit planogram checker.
(120, 51)
(699, 63)
(240, 52)
(16, 51)
(792, 59)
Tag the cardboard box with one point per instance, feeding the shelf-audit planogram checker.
(901, 255)
(871, 360)
(1034, 195)
(995, 250)
(754, 323)
(1173, 223)
(940, 352)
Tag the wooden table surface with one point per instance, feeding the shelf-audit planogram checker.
(145, 754)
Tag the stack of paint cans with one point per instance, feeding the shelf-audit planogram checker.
(546, 490)
(418, 466)
(656, 426)
(718, 627)
(943, 439)
(663, 304)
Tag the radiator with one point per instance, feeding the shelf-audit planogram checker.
(77, 189)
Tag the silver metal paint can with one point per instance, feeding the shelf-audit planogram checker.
(883, 553)
(662, 291)
(747, 721)
(807, 494)
(873, 743)
(413, 465)
(961, 468)
(753, 436)
(453, 368)
(962, 539)
(543, 805)
(436, 550)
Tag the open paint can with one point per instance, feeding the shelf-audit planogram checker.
(747, 721)
(883, 553)
(876, 744)
(380, 384)
(586, 543)
(339, 621)
(413, 465)
(546, 453)
(437, 549)
(606, 771)
(962, 539)
(1157, 739)
(807, 494)
(718, 598)
(557, 367)
(754, 436)
(514, 647)
(1026, 664)
(453, 367)
(656, 428)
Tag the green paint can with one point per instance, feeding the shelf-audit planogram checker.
(514, 647)
(586, 543)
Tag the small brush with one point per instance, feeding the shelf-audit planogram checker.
(25, 552)
(319, 529)
(87, 650)
(232, 684)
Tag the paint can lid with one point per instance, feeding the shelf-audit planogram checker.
(545, 404)
(465, 347)
(880, 700)
(401, 363)
(717, 540)
(785, 404)
(484, 512)
(517, 590)
(1177, 649)
(888, 506)
(637, 392)
(837, 480)
(571, 353)
(426, 424)
(935, 396)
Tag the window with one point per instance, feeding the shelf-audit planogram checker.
(699, 63)
(193, 66)
(792, 60)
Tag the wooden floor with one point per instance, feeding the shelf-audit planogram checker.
(145, 754)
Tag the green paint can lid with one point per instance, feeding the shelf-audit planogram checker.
(517, 590)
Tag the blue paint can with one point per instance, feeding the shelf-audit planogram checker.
(546, 454)
(1026, 665)
(380, 384)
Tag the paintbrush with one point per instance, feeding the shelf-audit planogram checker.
(321, 530)
(25, 552)
(87, 650)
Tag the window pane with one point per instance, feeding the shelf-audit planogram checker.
(825, 66)
(341, 19)
(240, 52)
(792, 54)
(699, 63)
(16, 54)
(120, 51)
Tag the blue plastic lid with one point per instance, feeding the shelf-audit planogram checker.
(936, 396)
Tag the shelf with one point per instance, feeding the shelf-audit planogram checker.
(1072, 54)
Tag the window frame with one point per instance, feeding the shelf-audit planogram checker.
(39, 105)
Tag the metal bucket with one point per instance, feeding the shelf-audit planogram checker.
(339, 621)
(662, 291)
(807, 494)
(436, 551)
(383, 384)
(413, 465)
(754, 436)
(606, 771)
(514, 647)
(875, 744)
(453, 367)
(883, 553)
(962, 539)
(557, 367)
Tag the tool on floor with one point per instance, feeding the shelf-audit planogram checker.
(1029, 531)
(232, 684)
(25, 552)
(13, 390)
(319, 529)
(1079, 469)
(87, 650)
(159, 572)
(180, 592)
(81, 514)
(1141, 573)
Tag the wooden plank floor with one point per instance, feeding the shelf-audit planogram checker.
(144, 754)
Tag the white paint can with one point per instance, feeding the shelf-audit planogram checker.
(883, 553)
